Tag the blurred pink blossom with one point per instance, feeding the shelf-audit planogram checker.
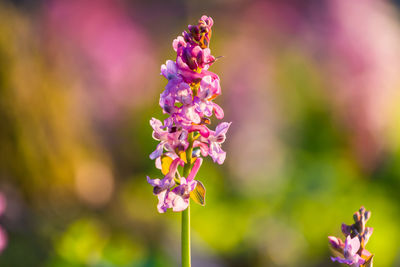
(3, 235)
(105, 47)
(362, 49)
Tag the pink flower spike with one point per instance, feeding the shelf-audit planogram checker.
(187, 100)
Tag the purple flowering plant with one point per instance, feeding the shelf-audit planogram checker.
(184, 135)
(352, 252)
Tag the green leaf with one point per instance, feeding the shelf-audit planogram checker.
(198, 194)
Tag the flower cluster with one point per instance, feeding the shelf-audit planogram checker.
(352, 252)
(184, 136)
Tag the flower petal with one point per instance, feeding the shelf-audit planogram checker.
(203, 147)
(174, 166)
(352, 245)
(195, 169)
(179, 203)
(162, 206)
(218, 111)
(158, 152)
(222, 128)
(153, 182)
(202, 129)
(216, 153)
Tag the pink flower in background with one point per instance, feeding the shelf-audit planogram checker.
(3, 235)
(352, 251)
(188, 100)
(104, 49)
(361, 50)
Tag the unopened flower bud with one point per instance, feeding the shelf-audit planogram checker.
(362, 210)
(336, 243)
(367, 215)
(356, 217)
(346, 229)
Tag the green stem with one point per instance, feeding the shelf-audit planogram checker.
(185, 235)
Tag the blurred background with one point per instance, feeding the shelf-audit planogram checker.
(312, 89)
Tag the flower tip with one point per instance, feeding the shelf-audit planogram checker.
(367, 215)
(346, 229)
(331, 238)
(334, 241)
(336, 244)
